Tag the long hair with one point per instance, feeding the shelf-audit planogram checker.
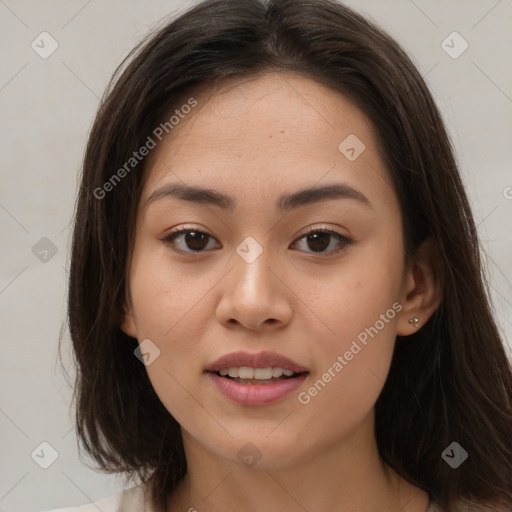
(451, 381)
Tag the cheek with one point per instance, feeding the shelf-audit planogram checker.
(354, 367)
(355, 301)
(167, 303)
(165, 294)
(359, 311)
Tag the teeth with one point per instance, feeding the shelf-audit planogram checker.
(245, 372)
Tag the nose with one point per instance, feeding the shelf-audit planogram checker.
(255, 293)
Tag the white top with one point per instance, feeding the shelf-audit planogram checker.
(137, 499)
(133, 499)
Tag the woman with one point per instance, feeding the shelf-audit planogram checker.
(276, 299)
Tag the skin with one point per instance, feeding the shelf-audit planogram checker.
(255, 140)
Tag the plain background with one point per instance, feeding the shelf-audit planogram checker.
(47, 107)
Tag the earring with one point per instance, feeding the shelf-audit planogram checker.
(414, 321)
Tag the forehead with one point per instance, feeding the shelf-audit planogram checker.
(274, 131)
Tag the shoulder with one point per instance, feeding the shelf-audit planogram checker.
(132, 499)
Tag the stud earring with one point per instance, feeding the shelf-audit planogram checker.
(414, 321)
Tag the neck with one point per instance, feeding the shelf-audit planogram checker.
(348, 477)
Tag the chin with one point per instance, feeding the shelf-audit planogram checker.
(259, 451)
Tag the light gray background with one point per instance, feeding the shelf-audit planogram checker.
(47, 107)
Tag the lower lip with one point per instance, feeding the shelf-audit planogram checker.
(256, 394)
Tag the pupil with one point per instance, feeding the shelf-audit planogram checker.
(195, 240)
(319, 241)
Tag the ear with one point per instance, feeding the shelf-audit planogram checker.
(422, 289)
(128, 321)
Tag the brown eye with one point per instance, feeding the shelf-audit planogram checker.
(316, 240)
(319, 239)
(195, 241)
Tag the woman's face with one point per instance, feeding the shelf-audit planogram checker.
(249, 279)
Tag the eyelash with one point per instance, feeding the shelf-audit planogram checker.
(169, 239)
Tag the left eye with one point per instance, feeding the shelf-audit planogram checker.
(317, 239)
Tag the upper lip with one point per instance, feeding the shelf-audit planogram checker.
(259, 360)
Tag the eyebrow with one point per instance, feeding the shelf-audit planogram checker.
(284, 203)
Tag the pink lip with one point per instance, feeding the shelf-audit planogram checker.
(256, 394)
(259, 360)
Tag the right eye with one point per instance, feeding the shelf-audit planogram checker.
(194, 240)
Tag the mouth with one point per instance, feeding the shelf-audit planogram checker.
(256, 392)
(256, 379)
(254, 376)
(255, 361)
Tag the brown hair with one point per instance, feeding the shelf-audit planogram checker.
(449, 381)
